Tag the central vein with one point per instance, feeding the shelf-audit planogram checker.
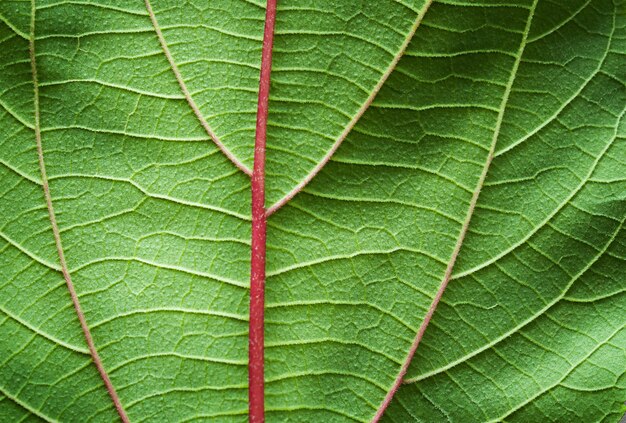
(256, 394)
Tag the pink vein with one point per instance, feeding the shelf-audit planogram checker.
(57, 236)
(462, 234)
(308, 178)
(188, 97)
(256, 344)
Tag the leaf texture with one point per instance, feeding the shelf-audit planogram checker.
(493, 131)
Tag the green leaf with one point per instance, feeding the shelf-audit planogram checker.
(476, 147)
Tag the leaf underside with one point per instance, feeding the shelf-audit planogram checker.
(519, 105)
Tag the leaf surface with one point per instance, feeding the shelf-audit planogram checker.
(490, 131)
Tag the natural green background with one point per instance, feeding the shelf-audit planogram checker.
(155, 221)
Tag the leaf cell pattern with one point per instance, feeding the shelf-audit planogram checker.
(479, 145)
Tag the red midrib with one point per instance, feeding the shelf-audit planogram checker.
(256, 387)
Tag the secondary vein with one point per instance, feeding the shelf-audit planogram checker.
(464, 228)
(55, 230)
(187, 94)
(308, 178)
